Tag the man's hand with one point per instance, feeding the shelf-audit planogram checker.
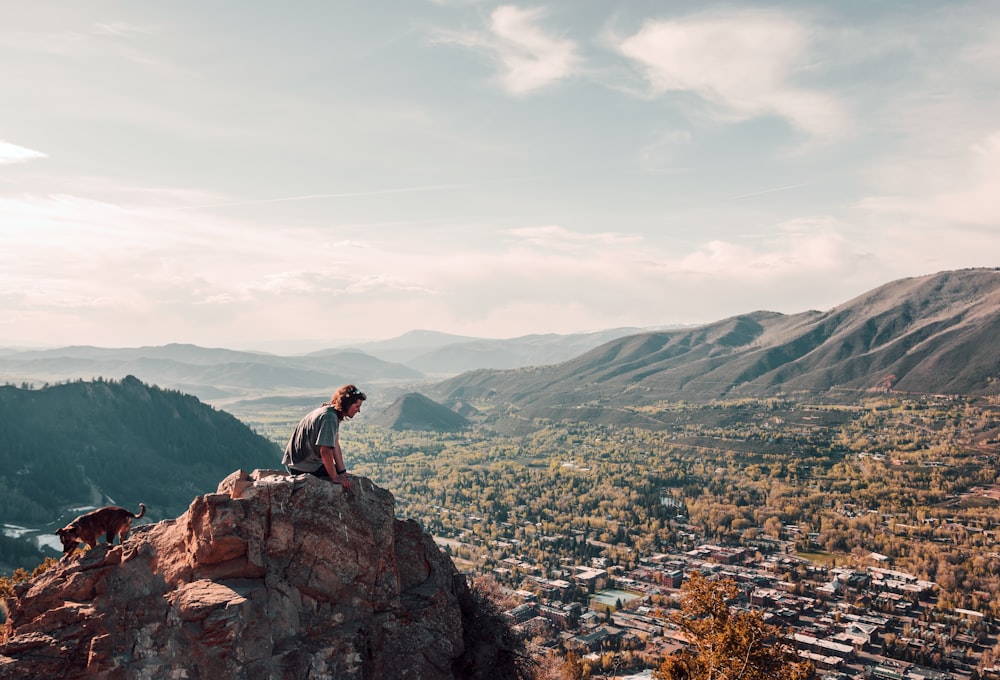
(343, 479)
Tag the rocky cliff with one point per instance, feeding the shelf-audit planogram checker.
(273, 576)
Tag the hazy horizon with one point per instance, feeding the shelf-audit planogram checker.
(298, 347)
(261, 177)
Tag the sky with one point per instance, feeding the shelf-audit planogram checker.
(293, 176)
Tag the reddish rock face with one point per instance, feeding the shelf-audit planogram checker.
(273, 576)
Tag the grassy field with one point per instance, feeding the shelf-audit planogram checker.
(820, 557)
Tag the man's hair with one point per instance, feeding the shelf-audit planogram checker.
(345, 397)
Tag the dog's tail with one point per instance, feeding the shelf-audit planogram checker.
(142, 511)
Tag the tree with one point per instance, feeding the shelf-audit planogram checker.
(724, 644)
(572, 668)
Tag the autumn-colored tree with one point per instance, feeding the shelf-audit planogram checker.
(726, 644)
(572, 669)
(552, 666)
(7, 584)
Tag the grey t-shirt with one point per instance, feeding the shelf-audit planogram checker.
(318, 428)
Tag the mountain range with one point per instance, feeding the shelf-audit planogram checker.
(210, 373)
(221, 376)
(933, 333)
(441, 354)
(929, 334)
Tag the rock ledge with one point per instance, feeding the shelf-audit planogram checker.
(273, 576)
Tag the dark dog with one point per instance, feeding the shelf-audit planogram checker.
(111, 521)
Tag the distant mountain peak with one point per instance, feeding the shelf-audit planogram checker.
(414, 411)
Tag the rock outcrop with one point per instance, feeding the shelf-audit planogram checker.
(273, 576)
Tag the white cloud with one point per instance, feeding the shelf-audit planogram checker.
(555, 237)
(743, 64)
(805, 247)
(120, 28)
(948, 192)
(385, 283)
(528, 57)
(12, 153)
(531, 58)
(456, 3)
(660, 151)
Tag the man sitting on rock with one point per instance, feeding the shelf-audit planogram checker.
(314, 446)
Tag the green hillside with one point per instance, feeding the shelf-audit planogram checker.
(926, 335)
(99, 442)
(414, 411)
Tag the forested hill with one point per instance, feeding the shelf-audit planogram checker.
(414, 411)
(93, 443)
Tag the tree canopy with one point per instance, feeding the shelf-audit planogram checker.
(725, 644)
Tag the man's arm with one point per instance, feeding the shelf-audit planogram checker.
(333, 461)
(338, 457)
(330, 456)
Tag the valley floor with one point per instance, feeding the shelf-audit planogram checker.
(878, 516)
